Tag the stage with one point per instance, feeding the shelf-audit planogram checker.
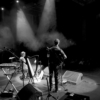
(89, 85)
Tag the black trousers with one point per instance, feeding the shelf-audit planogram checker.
(53, 69)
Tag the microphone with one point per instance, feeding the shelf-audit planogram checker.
(11, 57)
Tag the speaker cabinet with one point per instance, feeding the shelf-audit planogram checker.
(72, 96)
(29, 92)
(72, 77)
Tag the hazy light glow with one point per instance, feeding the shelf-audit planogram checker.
(48, 17)
(6, 37)
(2, 8)
(17, 1)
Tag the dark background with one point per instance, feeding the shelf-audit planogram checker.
(78, 20)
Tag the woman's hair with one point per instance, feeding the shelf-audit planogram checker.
(23, 53)
(56, 42)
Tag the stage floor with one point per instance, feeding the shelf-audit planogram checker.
(89, 86)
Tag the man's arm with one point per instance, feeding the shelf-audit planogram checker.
(64, 55)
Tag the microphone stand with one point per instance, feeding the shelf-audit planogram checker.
(49, 95)
(23, 73)
(10, 52)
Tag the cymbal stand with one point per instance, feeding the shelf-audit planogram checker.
(49, 95)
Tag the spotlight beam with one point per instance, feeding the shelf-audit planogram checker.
(25, 33)
(48, 17)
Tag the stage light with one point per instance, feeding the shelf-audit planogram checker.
(2, 8)
(17, 1)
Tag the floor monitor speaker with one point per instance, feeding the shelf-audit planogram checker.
(29, 92)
